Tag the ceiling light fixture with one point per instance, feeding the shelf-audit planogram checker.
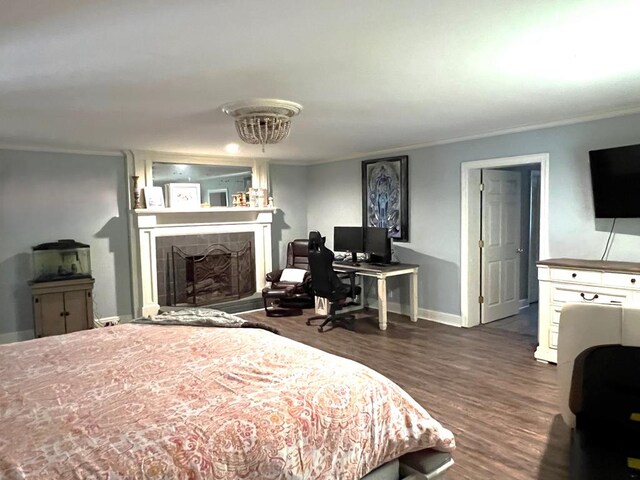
(262, 121)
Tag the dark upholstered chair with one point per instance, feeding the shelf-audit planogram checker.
(325, 283)
(605, 398)
(284, 297)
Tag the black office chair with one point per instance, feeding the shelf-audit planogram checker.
(325, 283)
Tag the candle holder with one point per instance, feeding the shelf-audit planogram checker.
(136, 192)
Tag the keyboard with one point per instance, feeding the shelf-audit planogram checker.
(346, 262)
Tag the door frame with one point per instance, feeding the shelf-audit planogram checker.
(533, 274)
(470, 223)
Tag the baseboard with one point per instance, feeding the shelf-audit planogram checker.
(440, 317)
(425, 314)
(16, 336)
(524, 303)
(116, 319)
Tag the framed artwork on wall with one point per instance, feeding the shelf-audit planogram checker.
(385, 195)
(183, 195)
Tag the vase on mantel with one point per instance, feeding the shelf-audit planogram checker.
(136, 192)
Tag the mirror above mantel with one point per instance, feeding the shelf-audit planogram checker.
(219, 177)
(217, 182)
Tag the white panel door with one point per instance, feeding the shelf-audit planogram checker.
(501, 235)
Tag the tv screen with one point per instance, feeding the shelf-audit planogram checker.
(615, 180)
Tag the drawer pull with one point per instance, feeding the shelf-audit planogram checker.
(574, 275)
(633, 280)
(595, 296)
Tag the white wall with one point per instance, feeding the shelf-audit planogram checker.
(434, 194)
(48, 196)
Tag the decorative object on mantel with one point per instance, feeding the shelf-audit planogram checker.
(183, 195)
(153, 197)
(262, 121)
(136, 192)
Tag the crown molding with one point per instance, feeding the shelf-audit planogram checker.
(70, 151)
(494, 133)
(356, 156)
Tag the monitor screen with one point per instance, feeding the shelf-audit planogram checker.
(615, 177)
(348, 239)
(378, 244)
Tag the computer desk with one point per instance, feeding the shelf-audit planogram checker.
(382, 273)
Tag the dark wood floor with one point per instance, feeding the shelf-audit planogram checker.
(481, 383)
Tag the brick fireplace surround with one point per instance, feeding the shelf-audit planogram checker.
(149, 225)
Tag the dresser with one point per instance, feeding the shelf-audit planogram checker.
(568, 280)
(62, 307)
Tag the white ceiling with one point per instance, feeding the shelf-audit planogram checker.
(372, 75)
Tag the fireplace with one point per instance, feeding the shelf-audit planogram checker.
(229, 232)
(197, 270)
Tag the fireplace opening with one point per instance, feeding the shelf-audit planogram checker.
(210, 277)
(194, 272)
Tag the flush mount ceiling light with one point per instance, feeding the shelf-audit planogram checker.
(262, 120)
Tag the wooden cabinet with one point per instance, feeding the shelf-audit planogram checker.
(62, 307)
(566, 280)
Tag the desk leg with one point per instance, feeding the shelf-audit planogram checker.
(382, 303)
(414, 296)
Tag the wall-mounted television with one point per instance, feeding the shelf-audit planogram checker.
(615, 180)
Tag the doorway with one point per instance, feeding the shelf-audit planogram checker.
(472, 249)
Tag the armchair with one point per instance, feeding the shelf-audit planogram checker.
(289, 289)
(325, 283)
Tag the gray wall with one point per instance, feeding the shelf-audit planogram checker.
(48, 196)
(289, 188)
(434, 192)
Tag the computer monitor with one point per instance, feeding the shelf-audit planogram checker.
(348, 239)
(377, 244)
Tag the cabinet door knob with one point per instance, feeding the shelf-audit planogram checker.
(62, 314)
(633, 280)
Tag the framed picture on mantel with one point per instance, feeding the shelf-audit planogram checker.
(183, 195)
(153, 197)
(385, 196)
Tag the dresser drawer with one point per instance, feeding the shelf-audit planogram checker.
(626, 280)
(553, 337)
(586, 295)
(581, 276)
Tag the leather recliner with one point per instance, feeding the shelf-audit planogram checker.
(284, 298)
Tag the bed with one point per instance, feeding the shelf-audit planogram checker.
(157, 402)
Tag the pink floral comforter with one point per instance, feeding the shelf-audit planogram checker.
(163, 402)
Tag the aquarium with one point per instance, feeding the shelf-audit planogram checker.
(62, 260)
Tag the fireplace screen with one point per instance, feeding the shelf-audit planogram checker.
(215, 275)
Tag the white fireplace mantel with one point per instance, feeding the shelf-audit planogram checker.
(149, 224)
